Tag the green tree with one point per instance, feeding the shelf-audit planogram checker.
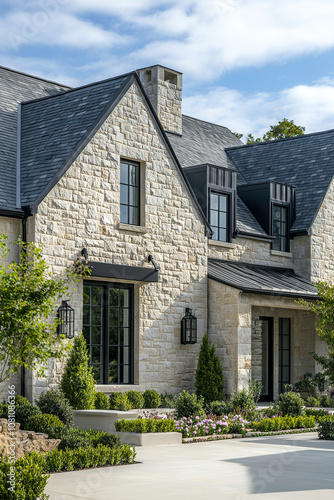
(28, 294)
(209, 375)
(284, 128)
(324, 309)
(77, 382)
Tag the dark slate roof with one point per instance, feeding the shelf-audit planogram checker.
(246, 222)
(56, 129)
(15, 87)
(306, 162)
(261, 279)
(202, 142)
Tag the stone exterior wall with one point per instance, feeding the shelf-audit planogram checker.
(83, 210)
(322, 240)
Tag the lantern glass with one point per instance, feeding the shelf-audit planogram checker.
(66, 320)
(189, 328)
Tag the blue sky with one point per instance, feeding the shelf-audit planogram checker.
(246, 63)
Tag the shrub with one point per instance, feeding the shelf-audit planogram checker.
(310, 412)
(168, 400)
(101, 401)
(217, 408)
(255, 389)
(188, 405)
(209, 374)
(119, 401)
(84, 458)
(76, 438)
(55, 403)
(326, 428)
(242, 401)
(284, 423)
(291, 403)
(237, 425)
(25, 412)
(311, 401)
(3, 410)
(144, 425)
(152, 399)
(77, 382)
(21, 400)
(326, 402)
(136, 399)
(305, 384)
(30, 478)
(43, 423)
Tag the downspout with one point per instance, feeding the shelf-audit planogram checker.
(23, 370)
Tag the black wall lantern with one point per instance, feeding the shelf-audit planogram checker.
(189, 328)
(66, 320)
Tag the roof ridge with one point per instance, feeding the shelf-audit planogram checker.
(34, 77)
(302, 136)
(79, 88)
(209, 123)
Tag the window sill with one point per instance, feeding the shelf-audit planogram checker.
(132, 229)
(281, 254)
(224, 244)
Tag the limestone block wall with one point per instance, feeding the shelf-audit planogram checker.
(322, 240)
(83, 210)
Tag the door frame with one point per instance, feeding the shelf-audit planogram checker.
(270, 395)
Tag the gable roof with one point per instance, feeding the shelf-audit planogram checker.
(306, 162)
(266, 280)
(15, 87)
(56, 129)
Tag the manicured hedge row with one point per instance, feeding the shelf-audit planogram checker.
(284, 423)
(84, 458)
(143, 425)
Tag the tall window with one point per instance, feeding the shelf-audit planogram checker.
(219, 216)
(108, 330)
(280, 228)
(283, 353)
(130, 192)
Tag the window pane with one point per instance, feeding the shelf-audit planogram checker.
(96, 335)
(124, 214)
(125, 337)
(133, 216)
(133, 196)
(124, 194)
(113, 336)
(113, 316)
(97, 296)
(222, 219)
(223, 203)
(133, 175)
(113, 354)
(113, 296)
(86, 334)
(113, 373)
(86, 295)
(86, 315)
(97, 373)
(124, 297)
(214, 201)
(125, 374)
(124, 173)
(222, 235)
(124, 355)
(96, 354)
(214, 218)
(215, 233)
(97, 316)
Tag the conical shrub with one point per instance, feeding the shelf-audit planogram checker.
(209, 374)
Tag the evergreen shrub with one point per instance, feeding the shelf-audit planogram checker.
(152, 399)
(55, 403)
(136, 399)
(209, 374)
(291, 403)
(189, 405)
(119, 401)
(101, 401)
(77, 382)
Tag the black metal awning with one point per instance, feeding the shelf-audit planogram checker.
(129, 273)
(261, 279)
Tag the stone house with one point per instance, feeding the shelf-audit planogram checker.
(172, 213)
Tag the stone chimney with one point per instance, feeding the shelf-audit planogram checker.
(163, 87)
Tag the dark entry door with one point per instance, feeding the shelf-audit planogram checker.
(267, 359)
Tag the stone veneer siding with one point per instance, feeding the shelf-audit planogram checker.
(322, 240)
(83, 210)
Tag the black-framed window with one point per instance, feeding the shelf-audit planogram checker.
(130, 192)
(280, 229)
(219, 215)
(284, 353)
(108, 330)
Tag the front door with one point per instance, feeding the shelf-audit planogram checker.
(267, 359)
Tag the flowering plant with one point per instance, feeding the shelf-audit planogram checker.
(197, 427)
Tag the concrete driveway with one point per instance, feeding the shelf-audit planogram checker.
(298, 466)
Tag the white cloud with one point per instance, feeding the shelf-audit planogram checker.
(309, 106)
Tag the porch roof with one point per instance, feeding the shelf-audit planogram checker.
(265, 280)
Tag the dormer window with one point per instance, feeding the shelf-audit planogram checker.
(280, 228)
(219, 203)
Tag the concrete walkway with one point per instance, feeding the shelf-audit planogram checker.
(298, 466)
